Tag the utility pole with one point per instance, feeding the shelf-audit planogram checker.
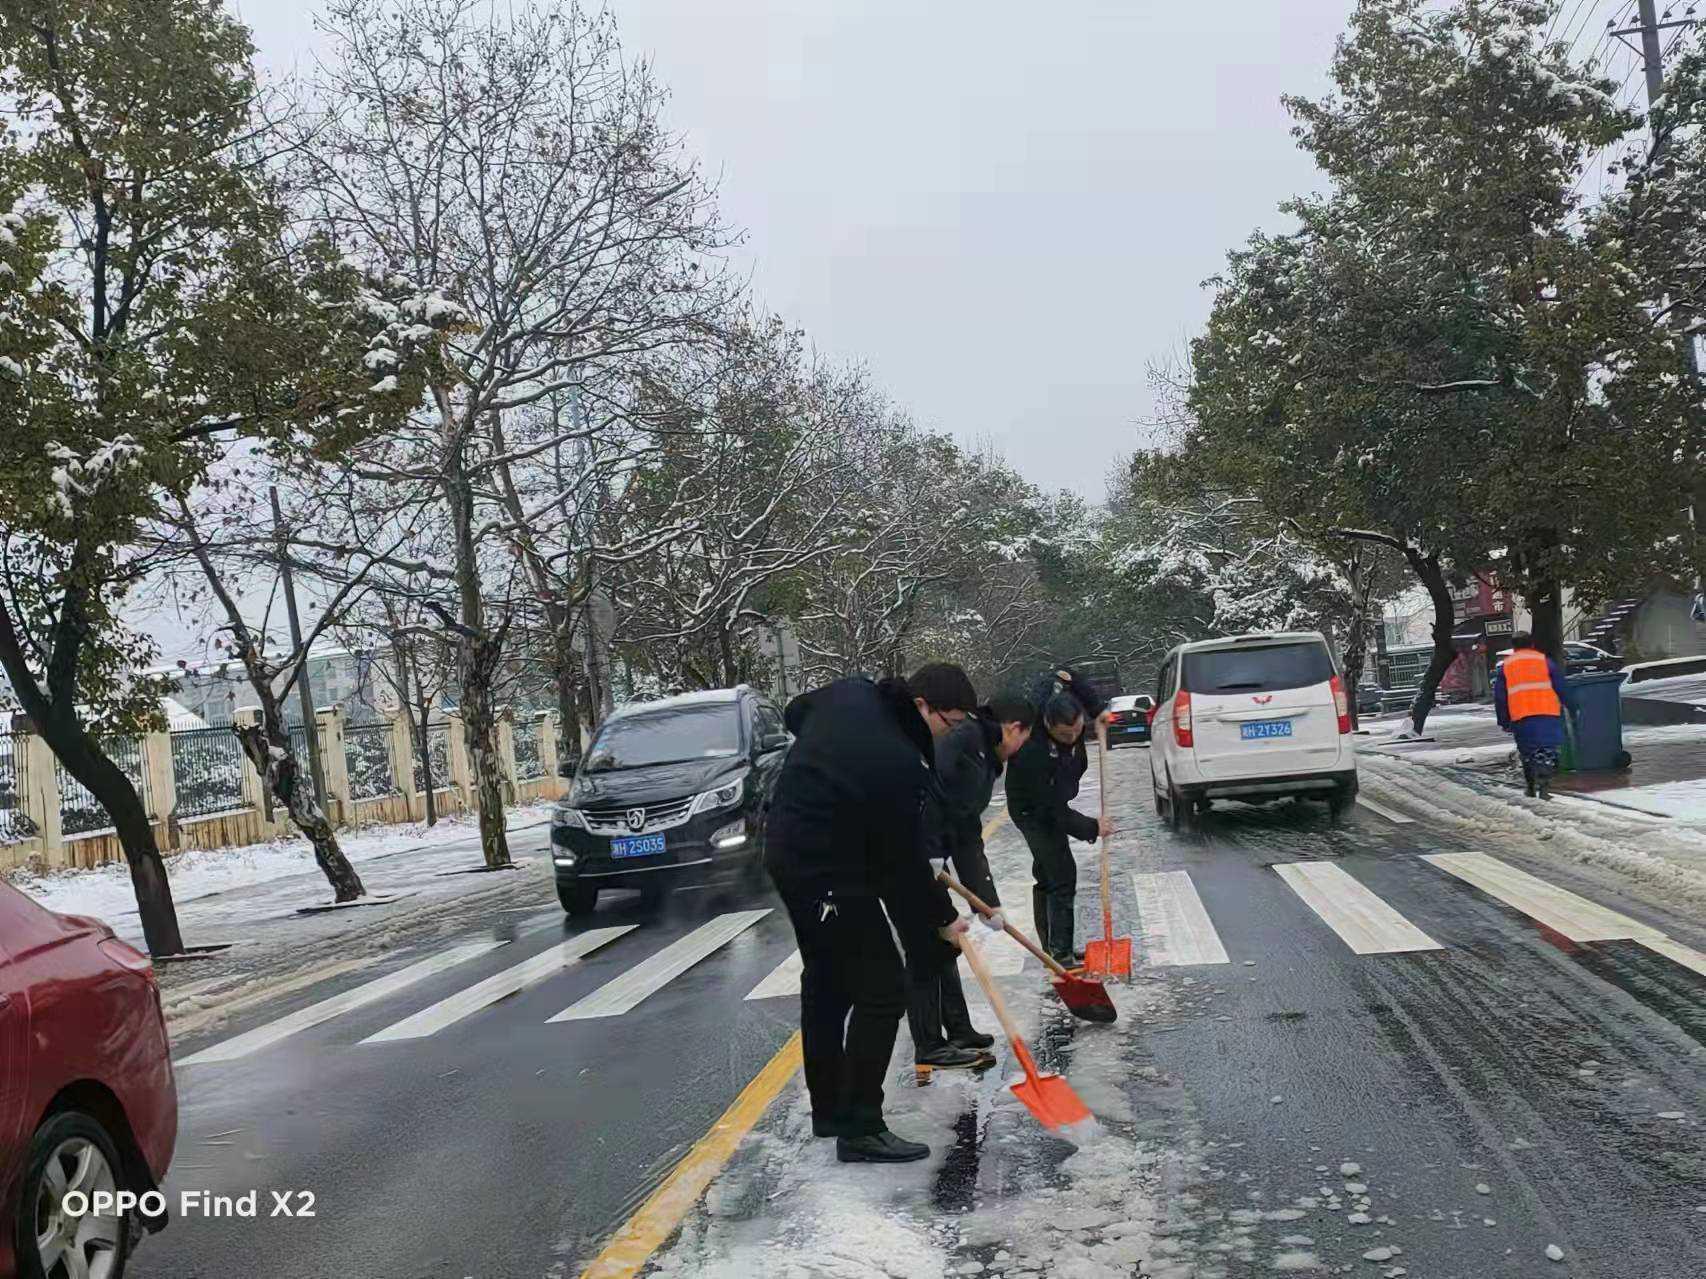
(310, 727)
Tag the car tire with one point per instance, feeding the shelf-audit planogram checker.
(86, 1151)
(1175, 809)
(579, 900)
(1340, 804)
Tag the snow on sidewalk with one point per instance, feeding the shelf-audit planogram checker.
(1669, 856)
(105, 892)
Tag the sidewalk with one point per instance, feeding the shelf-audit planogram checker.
(1667, 775)
(250, 897)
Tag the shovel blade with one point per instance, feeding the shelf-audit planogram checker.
(1108, 957)
(1085, 999)
(1051, 1099)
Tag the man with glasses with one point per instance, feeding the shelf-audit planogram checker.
(848, 841)
(942, 1034)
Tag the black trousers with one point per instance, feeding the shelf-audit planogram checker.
(1054, 896)
(936, 1009)
(852, 996)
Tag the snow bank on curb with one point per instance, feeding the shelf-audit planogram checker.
(1669, 856)
(105, 892)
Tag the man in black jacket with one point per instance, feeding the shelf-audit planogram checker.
(969, 759)
(1042, 782)
(848, 836)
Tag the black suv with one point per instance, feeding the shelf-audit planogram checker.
(669, 793)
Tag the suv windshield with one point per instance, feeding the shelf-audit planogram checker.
(1260, 668)
(665, 737)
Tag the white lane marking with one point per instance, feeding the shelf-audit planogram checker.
(1674, 950)
(429, 1021)
(326, 1009)
(1560, 910)
(617, 996)
(1363, 921)
(1389, 814)
(1176, 927)
(784, 980)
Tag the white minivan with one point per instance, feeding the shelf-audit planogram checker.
(1253, 717)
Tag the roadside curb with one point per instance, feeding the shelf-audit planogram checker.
(1475, 780)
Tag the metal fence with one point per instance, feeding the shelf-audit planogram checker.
(367, 756)
(80, 813)
(438, 751)
(207, 769)
(299, 748)
(15, 823)
(529, 763)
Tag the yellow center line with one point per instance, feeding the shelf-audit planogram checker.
(656, 1220)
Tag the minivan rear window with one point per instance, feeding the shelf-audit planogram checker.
(1260, 668)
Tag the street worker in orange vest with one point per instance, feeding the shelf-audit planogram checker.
(1528, 695)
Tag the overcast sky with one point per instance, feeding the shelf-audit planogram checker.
(1004, 209)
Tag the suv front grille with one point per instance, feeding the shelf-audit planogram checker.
(666, 815)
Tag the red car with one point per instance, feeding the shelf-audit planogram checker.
(87, 1100)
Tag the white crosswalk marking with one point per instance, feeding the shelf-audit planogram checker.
(1176, 927)
(647, 978)
(337, 1005)
(1683, 955)
(1363, 922)
(1004, 956)
(1560, 910)
(1391, 815)
(431, 1020)
(784, 980)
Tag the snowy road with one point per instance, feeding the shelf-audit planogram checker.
(1506, 1058)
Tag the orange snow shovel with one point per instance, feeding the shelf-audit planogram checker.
(1049, 1097)
(1110, 956)
(1083, 998)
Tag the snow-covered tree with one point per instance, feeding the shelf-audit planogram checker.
(516, 162)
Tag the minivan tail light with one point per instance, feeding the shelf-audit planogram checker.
(1182, 719)
(1341, 704)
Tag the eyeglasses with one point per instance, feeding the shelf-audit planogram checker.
(951, 718)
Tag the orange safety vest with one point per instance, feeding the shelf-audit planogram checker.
(1528, 685)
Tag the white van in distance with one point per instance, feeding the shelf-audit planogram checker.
(1255, 718)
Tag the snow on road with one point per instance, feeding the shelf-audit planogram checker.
(1669, 856)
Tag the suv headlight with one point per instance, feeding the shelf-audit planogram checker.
(725, 796)
(570, 817)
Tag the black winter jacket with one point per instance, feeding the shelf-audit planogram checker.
(968, 766)
(851, 813)
(1049, 683)
(1042, 782)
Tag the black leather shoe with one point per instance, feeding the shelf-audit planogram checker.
(880, 1148)
(949, 1057)
(973, 1039)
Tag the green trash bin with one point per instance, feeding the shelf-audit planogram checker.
(1594, 722)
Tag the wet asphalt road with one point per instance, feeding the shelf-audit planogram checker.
(1511, 1059)
(504, 1147)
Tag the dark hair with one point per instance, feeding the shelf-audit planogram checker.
(1522, 639)
(1062, 709)
(1010, 708)
(944, 687)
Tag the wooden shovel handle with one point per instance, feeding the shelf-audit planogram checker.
(989, 992)
(1102, 788)
(977, 904)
